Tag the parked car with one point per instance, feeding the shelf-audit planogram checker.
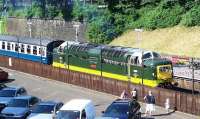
(104, 118)
(122, 109)
(77, 109)
(19, 107)
(3, 75)
(7, 93)
(2, 86)
(45, 110)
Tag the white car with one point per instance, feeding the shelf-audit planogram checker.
(77, 109)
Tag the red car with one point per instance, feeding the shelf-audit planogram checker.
(3, 75)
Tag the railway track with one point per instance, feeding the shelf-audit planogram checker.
(185, 85)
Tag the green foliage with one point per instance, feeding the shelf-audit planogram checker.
(34, 11)
(161, 17)
(78, 11)
(192, 17)
(102, 29)
(104, 24)
(52, 12)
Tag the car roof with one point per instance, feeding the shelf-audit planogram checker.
(49, 103)
(24, 97)
(12, 88)
(76, 104)
(122, 101)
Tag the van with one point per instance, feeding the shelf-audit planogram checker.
(77, 109)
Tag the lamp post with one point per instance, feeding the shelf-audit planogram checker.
(29, 23)
(76, 26)
(139, 40)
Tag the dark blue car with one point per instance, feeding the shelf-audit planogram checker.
(7, 93)
(121, 109)
(19, 107)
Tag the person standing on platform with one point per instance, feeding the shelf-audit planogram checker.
(150, 101)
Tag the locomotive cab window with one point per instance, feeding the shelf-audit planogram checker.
(155, 55)
(147, 56)
(165, 69)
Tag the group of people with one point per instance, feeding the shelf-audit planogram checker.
(149, 99)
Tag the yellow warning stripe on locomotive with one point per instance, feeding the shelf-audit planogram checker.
(147, 82)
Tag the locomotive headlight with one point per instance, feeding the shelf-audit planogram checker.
(153, 74)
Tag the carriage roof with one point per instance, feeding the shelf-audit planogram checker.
(26, 40)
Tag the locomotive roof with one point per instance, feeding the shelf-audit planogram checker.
(157, 61)
(26, 40)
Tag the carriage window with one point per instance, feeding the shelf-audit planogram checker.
(35, 50)
(22, 48)
(16, 47)
(3, 45)
(12, 47)
(28, 49)
(8, 46)
(40, 50)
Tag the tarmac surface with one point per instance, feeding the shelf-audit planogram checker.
(48, 89)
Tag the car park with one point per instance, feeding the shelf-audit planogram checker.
(3, 75)
(123, 109)
(19, 107)
(77, 109)
(45, 110)
(7, 93)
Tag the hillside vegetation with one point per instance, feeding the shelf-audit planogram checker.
(116, 17)
(175, 41)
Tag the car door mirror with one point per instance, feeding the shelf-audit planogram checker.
(127, 113)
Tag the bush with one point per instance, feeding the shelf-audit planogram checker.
(101, 30)
(78, 11)
(34, 11)
(52, 12)
(192, 17)
(160, 17)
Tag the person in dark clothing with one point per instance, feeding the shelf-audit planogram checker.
(134, 94)
(150, 101)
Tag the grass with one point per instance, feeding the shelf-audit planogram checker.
(174, 41)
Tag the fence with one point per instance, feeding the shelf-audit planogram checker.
(182, 102)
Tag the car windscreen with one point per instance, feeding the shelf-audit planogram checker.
(63, 114)
(7, 93)
(18, 103)
(47, 109)
(117, 109)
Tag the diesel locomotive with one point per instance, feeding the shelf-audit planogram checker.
(121, 63)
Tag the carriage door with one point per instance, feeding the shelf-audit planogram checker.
(134, 61)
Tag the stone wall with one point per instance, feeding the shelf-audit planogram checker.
(55, 29)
